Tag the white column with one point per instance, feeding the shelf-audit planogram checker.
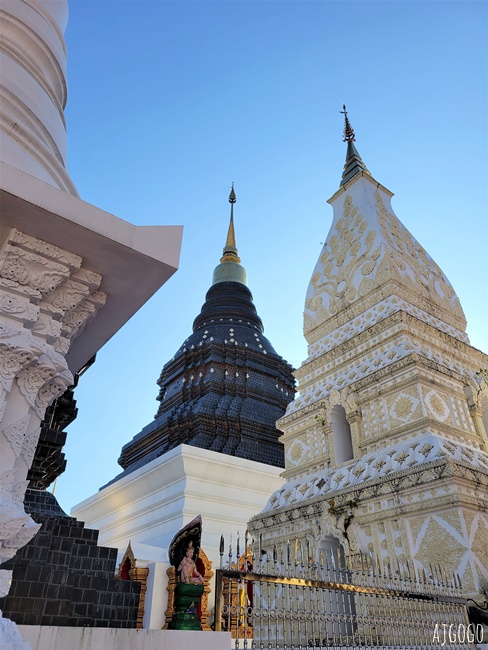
(46, 298)
(34, 93)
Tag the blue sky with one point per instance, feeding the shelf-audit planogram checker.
(169, 102)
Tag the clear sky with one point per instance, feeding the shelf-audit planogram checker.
(169, 102)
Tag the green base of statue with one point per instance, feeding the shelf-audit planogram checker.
(187, 599)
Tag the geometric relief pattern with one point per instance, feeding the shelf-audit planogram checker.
(441, 544)
(456, 543)
(374, 419)
(437, 406)
(346, 261)
(404, 407)
(413, 266)
(378, 311)
(295, 452)
(479, 543)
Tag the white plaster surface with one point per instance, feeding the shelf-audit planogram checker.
(90, 638)
(156, 595)
(152, 503)
(148, 506)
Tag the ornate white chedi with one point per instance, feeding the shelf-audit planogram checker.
(60, 259)
(386, 445)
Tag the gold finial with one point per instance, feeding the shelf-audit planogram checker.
(230, 248)
(349, 135)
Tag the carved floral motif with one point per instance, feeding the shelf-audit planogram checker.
(40, 285)
(15, 434)
(47, 249)
(349, 250)
(364, 252)
(12, 359)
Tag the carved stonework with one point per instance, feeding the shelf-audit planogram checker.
(168, 614)
(15, 434)
(16, 527)
(46, 297)
(207, 564)
(370, 249)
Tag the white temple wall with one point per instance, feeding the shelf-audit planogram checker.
(148, 507)
(156, 596)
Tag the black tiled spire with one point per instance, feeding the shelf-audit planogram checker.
(226, 386)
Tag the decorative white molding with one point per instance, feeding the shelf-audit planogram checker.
(37, 292)
(15, 434)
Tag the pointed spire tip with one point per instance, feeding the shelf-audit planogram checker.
(354, 163)
(349, 135)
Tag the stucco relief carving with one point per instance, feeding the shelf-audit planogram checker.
(46, 327)
(476, 389)
(5, 579)
(405, 348)
(15, 525)
(43, 289)
(17, 493)
(12, 360)
(45, 248)
(9, 634)
(90, 278)
(43, 380)
(29, 269)
(29, 447)
(32, 377)
(15, 434)
(350, 252)
(59, 296)
(364, 252)
(412, 264)
(330, 525)
(13, 305)
(424, 450)
(74, 322)
(437, 405)
(404, 352)
(22, 536)
(372, 314)
(52, 389)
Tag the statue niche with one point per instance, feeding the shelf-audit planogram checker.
(189, 588)
(204, 567)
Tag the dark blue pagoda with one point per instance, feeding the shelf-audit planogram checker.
(226, 386)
